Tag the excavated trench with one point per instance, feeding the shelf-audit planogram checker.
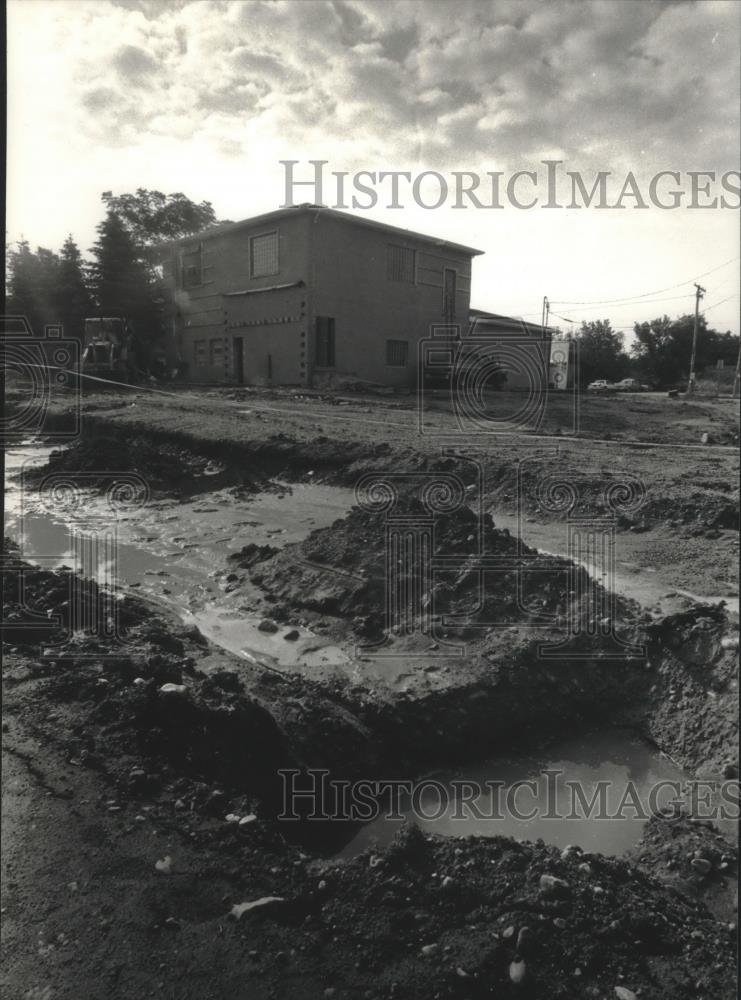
(290, 579)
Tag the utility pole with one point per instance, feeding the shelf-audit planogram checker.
(544, 313)
(699, 292)
(737, 376)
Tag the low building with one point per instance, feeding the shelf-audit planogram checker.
(530, 356)
(311, 296)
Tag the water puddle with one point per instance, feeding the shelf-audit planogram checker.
(631, 580)
(177, 553)
(543, 795)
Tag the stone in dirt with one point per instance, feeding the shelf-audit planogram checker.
(550, 885)
(266, 625)
(239, 909)
(517, 972)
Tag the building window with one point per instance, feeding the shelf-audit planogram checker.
(400, 263)
(397, 353)
(193, 266)
(264, 255)
(449, 289)
(216, 352)
(199, 353)
(324, 347)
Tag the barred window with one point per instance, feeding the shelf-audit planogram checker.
(264, 255)
(193, 266)
(216, 353)
(400, 263)
(397, 353)
(324, 346)
(199, 353)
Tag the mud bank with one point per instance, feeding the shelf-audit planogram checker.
(146, 746)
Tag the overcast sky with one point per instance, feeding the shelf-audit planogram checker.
(207, 97)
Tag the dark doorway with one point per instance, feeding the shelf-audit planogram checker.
(238, 361)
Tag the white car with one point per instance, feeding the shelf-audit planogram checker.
(599, 386)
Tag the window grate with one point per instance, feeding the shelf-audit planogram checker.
(199, 353)
(400, 263)
(397, 353)
(264, 255)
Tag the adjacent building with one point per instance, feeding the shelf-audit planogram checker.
(311, 296)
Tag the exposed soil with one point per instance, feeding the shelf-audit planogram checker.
(125, 752)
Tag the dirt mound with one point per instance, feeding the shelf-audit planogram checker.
(353, 568)
(692, 857)
(166, 469)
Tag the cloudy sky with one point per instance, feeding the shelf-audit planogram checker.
(207, 97)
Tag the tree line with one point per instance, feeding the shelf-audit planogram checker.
(122, 276)
(659, 354)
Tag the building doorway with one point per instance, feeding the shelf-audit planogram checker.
(238, 361)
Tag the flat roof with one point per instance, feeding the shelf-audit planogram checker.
(321, 210)
(498, 320)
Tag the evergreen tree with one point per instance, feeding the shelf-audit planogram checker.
(33, 280)
(122, 286)
(74, 303)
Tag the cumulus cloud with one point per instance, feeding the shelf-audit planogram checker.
(613, 84)
(210, 85)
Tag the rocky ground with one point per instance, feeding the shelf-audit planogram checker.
(142, 851)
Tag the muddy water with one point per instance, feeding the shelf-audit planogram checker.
(627, 577)
(177, 553)
(532, 796)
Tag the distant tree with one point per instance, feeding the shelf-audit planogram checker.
(151, 217)
(74, 302)
(601, 352)
(32, 283)
(662, 348)
(122, 285)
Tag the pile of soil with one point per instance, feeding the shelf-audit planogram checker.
(169, 470)
(345, 571)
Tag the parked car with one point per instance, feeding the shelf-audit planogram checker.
(599, 386)
(629, 385)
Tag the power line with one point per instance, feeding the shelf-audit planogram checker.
(656, 291)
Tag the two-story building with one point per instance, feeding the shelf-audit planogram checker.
(309, 295)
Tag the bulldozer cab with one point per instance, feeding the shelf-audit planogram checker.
(107, 342)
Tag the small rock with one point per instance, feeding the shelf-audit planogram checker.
(138, 681)
(701, 865)
(623, 993)
(174, 689)
(560, 923)
(164, 866)
(266, 625)
(447, 882)
(292, 635)
(240, 908)
(552, 886)
(232, 818)
(517, 972)
(246, 820)
(429, 949)
(508, 932)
